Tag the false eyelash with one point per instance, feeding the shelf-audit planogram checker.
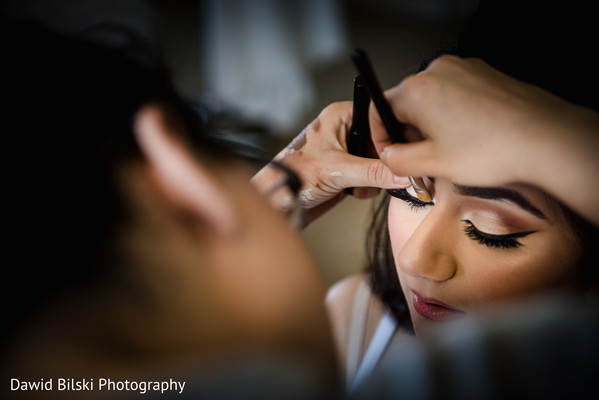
(496, 241)
(413, 202)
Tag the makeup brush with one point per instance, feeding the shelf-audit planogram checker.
(394, 128)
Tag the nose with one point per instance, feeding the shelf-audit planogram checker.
(429, 252)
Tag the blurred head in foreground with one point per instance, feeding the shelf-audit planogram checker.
(138, 247)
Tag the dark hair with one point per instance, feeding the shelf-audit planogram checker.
(527, 41)
(67, 123)
(382, 274)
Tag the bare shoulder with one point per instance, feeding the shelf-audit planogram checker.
(339, 303)
(342, 292)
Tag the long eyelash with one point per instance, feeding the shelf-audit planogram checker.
(413, 202)
(497, 241)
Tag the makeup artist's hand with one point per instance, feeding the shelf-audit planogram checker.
(482, 127)
(319, 156)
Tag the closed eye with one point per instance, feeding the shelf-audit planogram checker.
(508, 241)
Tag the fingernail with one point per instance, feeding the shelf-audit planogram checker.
(384, 154)
(403, 181)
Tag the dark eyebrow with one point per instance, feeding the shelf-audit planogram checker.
(497, 193)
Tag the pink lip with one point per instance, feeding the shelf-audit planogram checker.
(433, 309)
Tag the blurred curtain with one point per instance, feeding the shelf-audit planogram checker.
(257, 55)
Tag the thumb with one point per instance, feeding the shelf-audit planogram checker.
(368, 172)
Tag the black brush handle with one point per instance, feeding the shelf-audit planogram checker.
(359, 133)
(394, 128)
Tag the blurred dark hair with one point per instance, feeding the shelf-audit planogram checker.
(382, 274)
(69, 104)
(542, 43)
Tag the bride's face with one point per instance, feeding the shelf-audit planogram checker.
(476, 246)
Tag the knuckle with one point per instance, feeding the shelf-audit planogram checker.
(417, 88)
(330, 178)
(376, 173)
(335, 108)
(447, 60)
(335, 114)
(475, 61)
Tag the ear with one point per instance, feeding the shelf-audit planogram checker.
(181, 175)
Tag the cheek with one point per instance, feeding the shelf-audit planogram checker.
(543, 263)
(402, 222)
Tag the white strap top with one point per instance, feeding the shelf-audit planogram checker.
(358, 370)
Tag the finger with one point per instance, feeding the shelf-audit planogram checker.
(403, 99)
(413, 103)
(334, 119)
(366, 172)
(413, 134)
(378, 133)
(411, 159)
